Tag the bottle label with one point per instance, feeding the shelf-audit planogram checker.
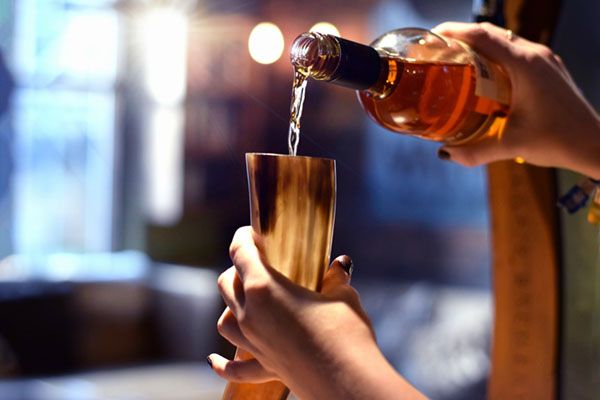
(579, 194)
(488, 80)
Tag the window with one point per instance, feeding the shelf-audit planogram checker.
(65, 61)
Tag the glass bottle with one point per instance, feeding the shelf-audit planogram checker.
(413, 81)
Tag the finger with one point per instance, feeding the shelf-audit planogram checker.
(229, 328)
(245, 255)
(243, 371)
(338, 274)
(481, 152)
(232, 290)
(336, 285)
(490, 40)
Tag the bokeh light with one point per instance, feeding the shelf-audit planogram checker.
(265, 43)
(164, 35)
(326, 28)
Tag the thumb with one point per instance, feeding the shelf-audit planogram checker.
(243, 371)
(338, 274)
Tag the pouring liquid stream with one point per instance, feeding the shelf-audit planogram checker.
(298, 94)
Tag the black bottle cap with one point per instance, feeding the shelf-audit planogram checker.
(359, 66)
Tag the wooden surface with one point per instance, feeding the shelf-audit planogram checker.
(525, 340)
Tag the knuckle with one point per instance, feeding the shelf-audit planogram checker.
(245, 322)
(480, 33)
(559, 60)
(233, 250)
(222, 325)
(542, 63)
(236, 242)
(233, 371)
(352, 295)
(469, 160)
(258, 290)
(237, 254)
(224, 278)
(259, 300)
(539, 57)
(221, 280)
(485, 26)
(545, 52)
(530, 58)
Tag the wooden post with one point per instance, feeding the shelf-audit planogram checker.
(526, 263)
(526, 253)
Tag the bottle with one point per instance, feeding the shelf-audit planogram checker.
(413, 81)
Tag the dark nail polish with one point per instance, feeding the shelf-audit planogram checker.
(443, 154)
(209, 361)
(347, 264)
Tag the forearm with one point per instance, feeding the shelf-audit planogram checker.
(361, 372)
(382, 383)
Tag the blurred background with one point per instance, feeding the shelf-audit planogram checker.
(123, 129)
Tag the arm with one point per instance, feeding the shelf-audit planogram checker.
(550, 122)
(319, 344)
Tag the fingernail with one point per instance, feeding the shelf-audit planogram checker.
(209, 361)
(347, 264)
(443, 154)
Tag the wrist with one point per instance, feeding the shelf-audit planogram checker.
(581, 152)
(595, 154)
(587, 161)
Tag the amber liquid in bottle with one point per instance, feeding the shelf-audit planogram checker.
(435, 101)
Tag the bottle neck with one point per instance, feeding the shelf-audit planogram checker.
(336, 60)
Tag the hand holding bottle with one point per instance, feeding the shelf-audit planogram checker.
(550, 122)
